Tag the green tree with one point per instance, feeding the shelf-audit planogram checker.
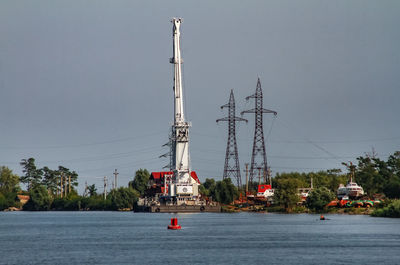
(392, 210)
(123, 198)
(73, 202)
(368, 176)
(140, 181)
(394, 163)
(225, 191)
(67, 174)
(92, 190)
(3, 202)
(96, 203)
(336, 177)
(50, 179)
(318, 198)
(392, 187)
(207, 187)
(33, 175)
(39, 199)
(286, 193)
(302, 179)
(9, 182)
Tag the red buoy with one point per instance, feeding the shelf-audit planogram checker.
(174, 224)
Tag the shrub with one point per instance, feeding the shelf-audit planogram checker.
(318, 198)
(123, 198)
(392, 210)
(39, 199)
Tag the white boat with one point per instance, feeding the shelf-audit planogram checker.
(352, 190)
(341, 191)
(265, 191)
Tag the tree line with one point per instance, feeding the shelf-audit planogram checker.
(379, 178)
(55, 189)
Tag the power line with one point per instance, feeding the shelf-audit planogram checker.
(383, 139)
(311, 142)
(124, 165)
(99, 158)
(83, 144)
(336, 141)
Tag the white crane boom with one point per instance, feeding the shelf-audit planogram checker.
(180, 129)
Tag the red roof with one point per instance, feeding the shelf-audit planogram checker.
(194, 176)
(161, 175)
(263, 188)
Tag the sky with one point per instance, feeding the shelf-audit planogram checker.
(88, 84)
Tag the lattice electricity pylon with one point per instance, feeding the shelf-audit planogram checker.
(232, 167)
(170, 153)
(259, 156)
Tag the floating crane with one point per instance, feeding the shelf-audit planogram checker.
(182, 184)
(176, 190)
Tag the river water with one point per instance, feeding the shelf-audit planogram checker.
(205, 238)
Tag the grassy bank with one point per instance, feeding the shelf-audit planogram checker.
(391, 210)
(296, 209)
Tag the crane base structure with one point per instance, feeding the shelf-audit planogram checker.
(179, 209)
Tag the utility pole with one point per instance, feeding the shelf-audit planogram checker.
(65, 186)
(62, 185)
(105, 187)
(232, 168)
(259, 156)
(86, 190)
(353, 168)
(247, 179)
(259, 176)
(115, 178)
(269, 176)
(265, 176)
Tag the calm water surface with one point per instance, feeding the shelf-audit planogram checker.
(244, 238)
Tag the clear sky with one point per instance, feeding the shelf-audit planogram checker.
(88, 84)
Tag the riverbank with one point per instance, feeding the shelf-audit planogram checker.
(391, 210)
(295, 210)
